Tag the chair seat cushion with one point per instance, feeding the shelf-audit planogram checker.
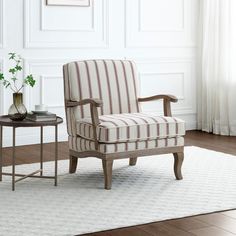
(131, 127)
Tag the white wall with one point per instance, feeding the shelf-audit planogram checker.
(160, 35)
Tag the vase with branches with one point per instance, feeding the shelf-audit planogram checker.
(17, 110)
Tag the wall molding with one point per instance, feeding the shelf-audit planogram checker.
(140, 29)
(109, 29)
(188, 106)
(136, 37)
(91, 42)
(182, 97)
(30, 63)
(43, 28)
(42, 93)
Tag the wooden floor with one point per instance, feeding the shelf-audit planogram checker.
(217, 224)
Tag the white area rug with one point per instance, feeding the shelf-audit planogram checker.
(145, 193)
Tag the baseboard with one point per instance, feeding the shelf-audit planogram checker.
(191, 125)
(191, 121)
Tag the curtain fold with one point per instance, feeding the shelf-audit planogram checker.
(217, 67)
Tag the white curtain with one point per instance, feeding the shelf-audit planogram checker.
(217, 67)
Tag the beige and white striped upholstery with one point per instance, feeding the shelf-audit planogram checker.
(81, 145)
(130, 127)
(113, 81)
(122, 125)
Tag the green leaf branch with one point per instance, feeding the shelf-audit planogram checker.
(11, 83)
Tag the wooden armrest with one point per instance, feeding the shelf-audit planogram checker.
(166, 97)
(92, 101)
(94, 104)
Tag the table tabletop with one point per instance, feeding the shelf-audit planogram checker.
(6, 121)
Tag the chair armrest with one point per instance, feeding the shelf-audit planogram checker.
(92, 101)
(94, 104)
(167, 99)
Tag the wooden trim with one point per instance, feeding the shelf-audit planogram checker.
(107, 169)
(166, 101)
(95, 122)
(73, 164)
(133, 161)
(171, 98)
(179, 158)
(86, 154)
(145, 152)
(94, 104)
(93, 101)
(167, 108)
(129, 154)
(107, 159)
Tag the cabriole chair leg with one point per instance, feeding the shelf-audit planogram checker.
(133, 161)
(107, 169)
(179, 158)
(73, 164)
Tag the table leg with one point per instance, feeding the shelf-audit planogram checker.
(13, 159)
(1, 162)
(41, 150)
(56, 153)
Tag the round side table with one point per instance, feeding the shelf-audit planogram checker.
(6, 121)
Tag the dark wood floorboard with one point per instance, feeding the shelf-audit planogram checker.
(215, 224)
(31, 153)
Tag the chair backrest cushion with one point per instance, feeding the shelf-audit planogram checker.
(112, 81)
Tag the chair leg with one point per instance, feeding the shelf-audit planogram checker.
(133, 161)
(107, 169)
(73, 164)
(179, 158)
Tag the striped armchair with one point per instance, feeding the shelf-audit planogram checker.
(104, 118)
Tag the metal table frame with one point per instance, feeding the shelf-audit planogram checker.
(21, 124)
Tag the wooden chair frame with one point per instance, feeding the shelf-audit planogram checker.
(107, 159)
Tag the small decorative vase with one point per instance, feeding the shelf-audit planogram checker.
(17, 110)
